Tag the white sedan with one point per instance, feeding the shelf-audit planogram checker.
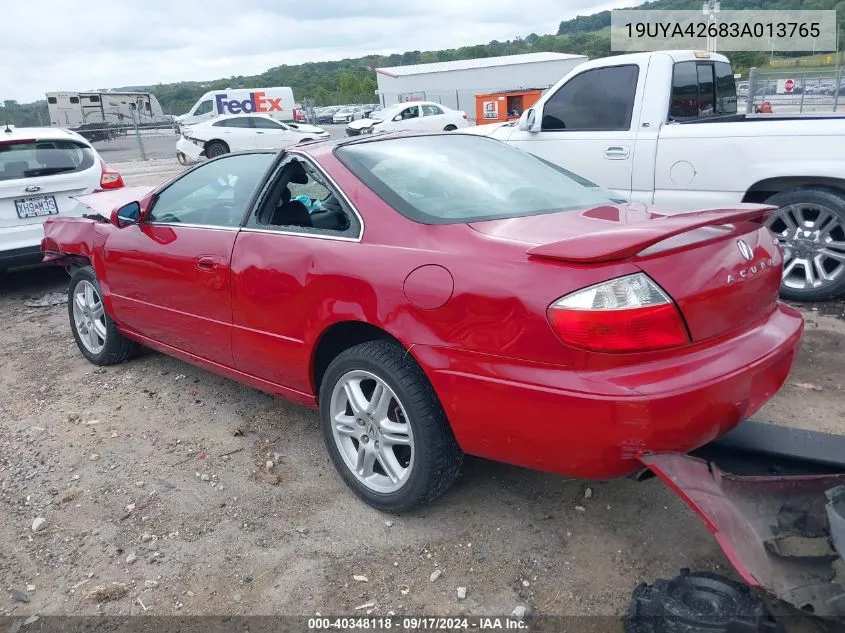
(419, 115)
(238, 132)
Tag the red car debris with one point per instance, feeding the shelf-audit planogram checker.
(440, 295)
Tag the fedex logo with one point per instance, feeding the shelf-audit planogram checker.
(257, 102)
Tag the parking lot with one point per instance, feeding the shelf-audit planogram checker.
(156, 476)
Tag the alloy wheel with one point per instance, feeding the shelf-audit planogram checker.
(89, 316)
(812, 239)
(371, 430)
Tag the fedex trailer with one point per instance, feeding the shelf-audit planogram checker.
(277, 102)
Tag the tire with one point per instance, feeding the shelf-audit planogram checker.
(432, 458)
(115, 347)
(814, 257)
(450, 128)
(306, 140)
(216, 148)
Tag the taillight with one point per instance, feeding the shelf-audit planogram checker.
(628, 314)
(110, 178)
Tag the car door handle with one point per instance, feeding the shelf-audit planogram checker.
(259, 132)
(616, 152)
(206, 263)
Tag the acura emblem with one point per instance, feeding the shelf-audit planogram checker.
(745, 250)
(32, 189)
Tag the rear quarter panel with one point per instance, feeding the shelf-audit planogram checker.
(78, 238)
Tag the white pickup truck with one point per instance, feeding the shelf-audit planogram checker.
(663, 128)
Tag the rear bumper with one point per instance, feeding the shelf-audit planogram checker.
(27, 256)
(21, 245)
(596, 424)
(783, 534)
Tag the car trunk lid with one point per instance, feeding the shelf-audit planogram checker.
(721, 267)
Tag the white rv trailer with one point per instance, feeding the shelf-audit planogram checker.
(73, 109)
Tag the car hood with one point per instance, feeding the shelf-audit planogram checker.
(360, 124)
(104, 202)
(310, 129)
(496, 130)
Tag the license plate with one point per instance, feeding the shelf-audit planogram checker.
(35, 207)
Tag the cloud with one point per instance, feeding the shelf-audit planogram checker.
(49, 45)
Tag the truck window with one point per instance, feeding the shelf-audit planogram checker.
(706, 90)
(94, 99)
(74, 99)
(702, 90)
(204, 108)
(52, 100)
(601, 99)
(725, 88)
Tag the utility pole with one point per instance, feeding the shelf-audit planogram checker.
(710, 9)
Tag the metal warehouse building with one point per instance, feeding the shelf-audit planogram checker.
(455, 84)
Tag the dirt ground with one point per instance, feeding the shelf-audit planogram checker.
(141, 481)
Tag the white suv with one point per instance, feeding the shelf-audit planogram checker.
(41, 170)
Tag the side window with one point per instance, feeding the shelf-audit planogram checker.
(266, 124)
(240, 121)
(725, 88)
(52, 100)
(74, 99)
(214, 194)
(300, 200)
(597, 100)
(431, 110)
(204, 108)
(410, 113)
(683, 104)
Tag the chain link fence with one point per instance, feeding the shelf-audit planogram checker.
(793, 90)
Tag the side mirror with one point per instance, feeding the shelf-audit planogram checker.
(527, 121)
(126, 215)
(398, 117)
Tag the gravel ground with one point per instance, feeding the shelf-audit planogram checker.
(141, 481)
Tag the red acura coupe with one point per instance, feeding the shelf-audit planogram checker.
(436, 295)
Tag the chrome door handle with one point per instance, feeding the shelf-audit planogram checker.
(616, 152)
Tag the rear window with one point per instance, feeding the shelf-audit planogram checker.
(449, 179)
(29, 159)
(702, 90)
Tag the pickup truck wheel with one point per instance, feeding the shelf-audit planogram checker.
(216, 148)
(95, 333)
(385, 429)
(809, 227)
(450, 128)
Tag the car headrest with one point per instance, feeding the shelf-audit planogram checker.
(297, 173)
(15, 169)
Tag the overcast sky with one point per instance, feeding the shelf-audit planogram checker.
(48, 45)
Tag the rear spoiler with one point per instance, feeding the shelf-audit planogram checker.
(617, 244)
